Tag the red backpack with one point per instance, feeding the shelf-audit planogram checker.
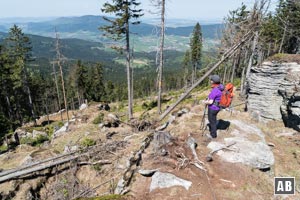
(227, 95)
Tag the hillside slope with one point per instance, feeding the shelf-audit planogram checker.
(126, 152)
(91, 23)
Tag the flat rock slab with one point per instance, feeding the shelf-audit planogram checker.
(166, 180)
(254, 154)
(247, 129)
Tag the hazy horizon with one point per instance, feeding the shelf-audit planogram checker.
(175, 9)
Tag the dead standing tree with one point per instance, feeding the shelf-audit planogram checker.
(238, 23)
(59, 61)
(57, 89)
(161, 57)
(225, 56)
(160, 6)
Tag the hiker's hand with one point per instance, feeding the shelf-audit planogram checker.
(204, 101)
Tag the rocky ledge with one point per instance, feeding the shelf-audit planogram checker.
(274, 92)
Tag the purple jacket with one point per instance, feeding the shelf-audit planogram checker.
(215, 95)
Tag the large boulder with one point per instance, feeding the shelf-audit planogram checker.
(255, 154)
(62, 130)
(83, 106)
(36, 134)
(274, 92)
(166, 180)
(248, 146)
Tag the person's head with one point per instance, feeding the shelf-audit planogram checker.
(215, 79)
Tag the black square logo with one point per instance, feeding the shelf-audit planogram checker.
(284, 185)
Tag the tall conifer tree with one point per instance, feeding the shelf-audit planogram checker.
(118, 29)
(196, 50)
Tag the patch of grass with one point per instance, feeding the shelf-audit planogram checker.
(87, 142)
(49, 128)
(34, 141)
(237, 82)
(3, 148)
(281, 57)
(97, 167)
(99, 118)
(150, 105)
(26, 140)
(37, 128)
(40, 140)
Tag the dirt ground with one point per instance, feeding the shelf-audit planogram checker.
(222, 180)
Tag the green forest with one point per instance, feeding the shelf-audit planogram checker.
(33, 68)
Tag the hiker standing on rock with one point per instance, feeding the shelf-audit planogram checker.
(212, 102)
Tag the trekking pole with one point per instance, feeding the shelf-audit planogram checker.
(203, 126)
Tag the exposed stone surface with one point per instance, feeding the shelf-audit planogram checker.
(27, 160)
(83, 106)
(274, 92)
(254, 154)
(166, 180)
(62, 130)
(36, 133)
(21, 133)
(250, 147)
(160, 139)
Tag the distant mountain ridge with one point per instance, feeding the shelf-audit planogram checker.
(72, 48)
(91, 24)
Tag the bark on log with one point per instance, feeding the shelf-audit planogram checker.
(4, 173)
(36, 168)
(44, 164)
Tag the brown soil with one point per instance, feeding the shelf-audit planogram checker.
(221, 181)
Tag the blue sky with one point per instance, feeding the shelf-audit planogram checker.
(186, 9)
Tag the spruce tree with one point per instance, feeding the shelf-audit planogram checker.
(81, 80)
(119, 29)
(186, 65)
(96, 86)
(196, 50)
(288, 16)
(18, 48)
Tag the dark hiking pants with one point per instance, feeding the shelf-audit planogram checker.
(212, 118)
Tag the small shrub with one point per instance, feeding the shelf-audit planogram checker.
(149, 106)
(121, 106)
(60, 124)
(97, 167)
(3, 148)
(65, 192)
(99, 118)
(87, 142)
(26, 140)
(39, 140)
(49, 129)
(34, 141)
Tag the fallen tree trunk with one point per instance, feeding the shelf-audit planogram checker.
(11, 171)
(36, 168)
(48, 163)
(228, 54)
